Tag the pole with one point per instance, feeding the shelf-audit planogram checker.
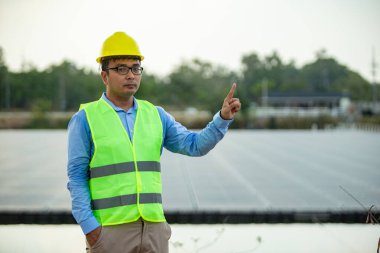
(374, 85)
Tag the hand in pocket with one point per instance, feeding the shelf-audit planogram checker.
(93, 236)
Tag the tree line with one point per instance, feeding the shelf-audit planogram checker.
(196, 83)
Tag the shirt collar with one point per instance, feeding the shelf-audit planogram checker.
(118, 109)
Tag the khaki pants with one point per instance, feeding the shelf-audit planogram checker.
(136, 237)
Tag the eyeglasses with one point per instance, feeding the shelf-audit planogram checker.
(124, 70)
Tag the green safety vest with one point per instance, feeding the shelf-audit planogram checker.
(125, 177)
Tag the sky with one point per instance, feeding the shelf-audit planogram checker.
(45, 32)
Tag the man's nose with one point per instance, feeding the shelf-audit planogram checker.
(130, 75)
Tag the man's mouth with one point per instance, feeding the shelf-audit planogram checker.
(130, 85)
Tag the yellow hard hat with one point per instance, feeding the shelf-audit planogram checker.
(119, 44)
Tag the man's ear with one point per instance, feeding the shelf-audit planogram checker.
(104, 76)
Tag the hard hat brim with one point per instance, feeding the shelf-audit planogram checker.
(99, 59)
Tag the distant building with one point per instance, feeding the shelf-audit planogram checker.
(303, 104)
(303, 99)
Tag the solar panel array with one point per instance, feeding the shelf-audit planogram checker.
(248, 170)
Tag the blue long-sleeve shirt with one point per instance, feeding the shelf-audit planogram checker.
(176, 138)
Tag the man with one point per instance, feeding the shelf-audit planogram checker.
(114, 149)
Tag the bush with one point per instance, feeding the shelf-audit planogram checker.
(40, 108)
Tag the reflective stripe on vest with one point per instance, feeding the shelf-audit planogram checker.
(125, 178)
(145, 198)
(119, 168)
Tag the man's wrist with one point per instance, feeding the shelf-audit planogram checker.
(223, 118)
(220, 122)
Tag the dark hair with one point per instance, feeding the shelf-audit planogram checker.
(104, 62)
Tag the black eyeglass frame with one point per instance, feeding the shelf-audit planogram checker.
(136, 70)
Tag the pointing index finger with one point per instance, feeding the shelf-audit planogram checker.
(231, 93)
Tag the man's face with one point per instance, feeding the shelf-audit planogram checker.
(120, 85)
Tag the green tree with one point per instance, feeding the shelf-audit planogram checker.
(152, 89)
(292, 78)
(325, 74)
(254, 73)
(73, 86)
(199, 84)
(5, 89)
(269, 73)
(27, 87)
